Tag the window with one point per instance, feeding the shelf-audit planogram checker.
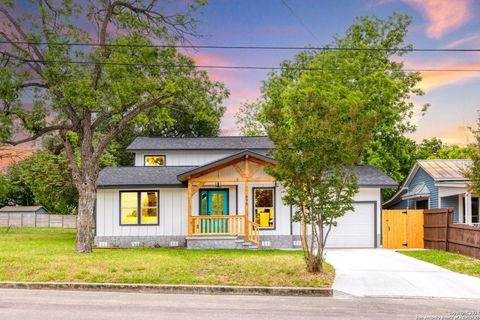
(421, 204)
(138, 207)
(152, 161)
(475, 210)
(264, 207)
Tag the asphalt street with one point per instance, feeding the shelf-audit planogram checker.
(78, 305)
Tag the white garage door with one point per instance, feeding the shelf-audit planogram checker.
(355, 229)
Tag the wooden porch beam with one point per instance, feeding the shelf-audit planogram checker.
(255, 169)
(197, 187)
(246, 189)
(190, 221)
(240, 172)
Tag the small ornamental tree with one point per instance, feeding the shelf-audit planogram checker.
(316, 146)
(88, 95)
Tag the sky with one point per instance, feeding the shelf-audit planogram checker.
(454, 97)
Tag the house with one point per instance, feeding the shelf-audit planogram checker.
(24, 210)
(438, 184)
(215, 192)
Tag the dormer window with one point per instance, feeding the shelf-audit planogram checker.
(154, 161)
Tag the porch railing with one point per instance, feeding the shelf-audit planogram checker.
(225, 225)
(253, 232)
(218, 225)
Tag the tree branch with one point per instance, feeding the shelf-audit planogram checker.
(33, 65)
(34, 84)
(72, 163)
(39, 134)
(19, 29)
(102, 40)
(108, 115)
(119, 126)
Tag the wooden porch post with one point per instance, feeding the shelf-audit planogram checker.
(190, 231)
(247, 176)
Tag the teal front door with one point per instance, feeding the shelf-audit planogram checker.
(214, 202)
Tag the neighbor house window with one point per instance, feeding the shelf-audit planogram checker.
(138, 207)
(263, 207)
(154, 161)
(421, 204)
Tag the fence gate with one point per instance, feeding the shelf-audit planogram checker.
(402, 229)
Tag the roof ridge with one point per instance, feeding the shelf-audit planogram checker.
(443, 160)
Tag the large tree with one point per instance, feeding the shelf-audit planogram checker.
(48, 86)
(365, 66)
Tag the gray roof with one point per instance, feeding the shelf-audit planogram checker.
(21, 208)
(445, 170)
(235, 156)
(201, 143)
(440, 170)
(140, 177)
(369, 176)
(420, 190)
(151, 177)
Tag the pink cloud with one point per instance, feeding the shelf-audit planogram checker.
(443, 15)
(228, 124)
(453, 135)
(435, 79)
(209, 59)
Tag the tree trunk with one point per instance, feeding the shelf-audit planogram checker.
(314, 263)
(86, 208)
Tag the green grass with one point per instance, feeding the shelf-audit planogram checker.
(447, 260)
(29, 254)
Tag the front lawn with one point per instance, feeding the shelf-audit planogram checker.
(447, 260)
(29, 254)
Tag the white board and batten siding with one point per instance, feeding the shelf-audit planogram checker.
(185, 158)
(172, 214)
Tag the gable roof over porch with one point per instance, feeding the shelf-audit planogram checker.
(227, 161)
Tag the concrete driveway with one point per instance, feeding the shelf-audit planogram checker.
(382, 272)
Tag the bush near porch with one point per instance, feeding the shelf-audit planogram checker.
(36, 254)
(447, 260)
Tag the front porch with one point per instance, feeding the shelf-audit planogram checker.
(464, 203)
(212, 216)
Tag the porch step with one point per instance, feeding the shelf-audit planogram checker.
(249, 245)
(219, 242)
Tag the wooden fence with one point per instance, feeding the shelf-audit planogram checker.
(442, 234)
(402, 229)
(37, 221)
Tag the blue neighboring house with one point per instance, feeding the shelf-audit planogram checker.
(438, 184)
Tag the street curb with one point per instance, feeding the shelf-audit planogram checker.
(171, 288)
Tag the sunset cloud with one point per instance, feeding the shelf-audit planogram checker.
(209, 59)
(435, 79)
(453, 135)
(443, 16)
(471, 40)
